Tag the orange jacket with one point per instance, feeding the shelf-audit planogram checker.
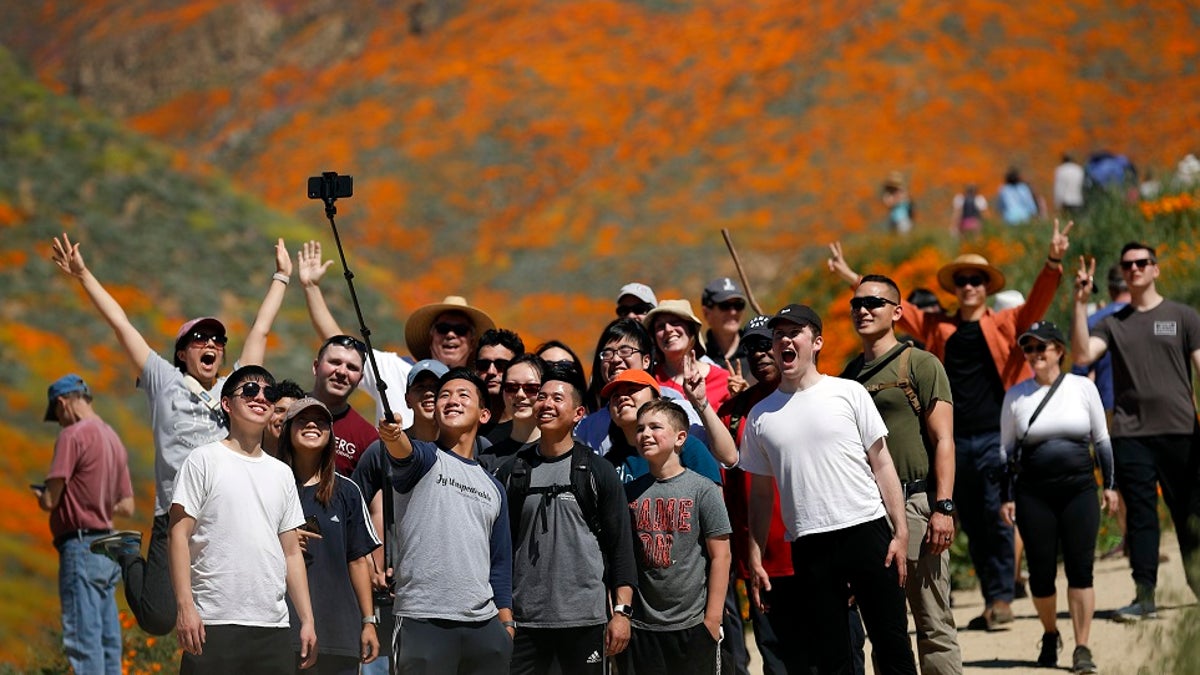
(1000, 329)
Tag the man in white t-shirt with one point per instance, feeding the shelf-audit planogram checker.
(234, 547)
(821, 439)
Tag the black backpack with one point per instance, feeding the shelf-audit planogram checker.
(514, 475)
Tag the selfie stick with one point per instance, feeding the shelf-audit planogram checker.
(737, 262)
(330, 179)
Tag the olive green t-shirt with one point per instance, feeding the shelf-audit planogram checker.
(908, 448)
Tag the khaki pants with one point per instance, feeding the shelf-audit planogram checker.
(928, 591)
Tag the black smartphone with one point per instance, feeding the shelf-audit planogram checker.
(311, 525)
(37, 487)
(330, 185)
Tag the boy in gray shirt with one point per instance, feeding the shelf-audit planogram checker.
(681, 543)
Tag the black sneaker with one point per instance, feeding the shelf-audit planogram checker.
(1081, 661)
(1051, 645)
(118, 545)
(1136, 611)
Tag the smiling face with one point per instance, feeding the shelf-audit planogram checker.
(494, 359)
(337, 374)
(615, 363)
(1044, 358)
(459, 407)
(557, 408)
(275, 422)
(521, 385)
(452, 338)
(878, 309)
(203, 354)
(625, 402)
(725, 318)
(657, 437)
(421, 397)
(970, 287)
(673, 334)
(795, 349)
(310, 430)
(248, 406)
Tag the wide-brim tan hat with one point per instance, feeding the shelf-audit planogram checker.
(416, 331)
(971, 262)
(682, 309)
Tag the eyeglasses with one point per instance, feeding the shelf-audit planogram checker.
(1140, 263)
(735, 305)
(251, 390)
(870, 303)
(964, 280)
(347, 341)
(446, 328)
(1034, 347)
(530, 388)
(624, 352)
(198, 338)
(482, 365)
(640, 308)
(757, 344)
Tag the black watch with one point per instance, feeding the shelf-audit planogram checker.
(944, 507)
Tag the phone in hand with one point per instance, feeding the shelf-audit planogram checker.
(38, 488)
(311, 525)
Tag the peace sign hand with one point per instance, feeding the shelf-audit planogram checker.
(1059, 241)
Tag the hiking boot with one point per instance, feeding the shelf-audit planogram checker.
(119, 545)
(1051, 645)
(1081, 661)
(1142, 607)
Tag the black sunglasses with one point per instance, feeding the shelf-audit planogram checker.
(640, 308)
(530, 388)
(482, 365)
(756, 344)
(969, 280)
(198, 338)
(1140, 263)
(347, 341)
(251, 390)
(735, 305)
(1034, 347)
(870, 303)
(446, 328)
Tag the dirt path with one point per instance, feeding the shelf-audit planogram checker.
(1118, 649)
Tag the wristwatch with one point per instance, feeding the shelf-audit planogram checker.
(370, 619)
(624, 610)
(944, 507)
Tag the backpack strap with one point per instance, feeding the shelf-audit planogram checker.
(904, 383)
(514, 476)
(583, 485)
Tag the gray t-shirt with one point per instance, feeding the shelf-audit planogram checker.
(180, 421)
(1152, 368)
(558, 569)
(672, 521)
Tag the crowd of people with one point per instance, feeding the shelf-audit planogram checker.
(511, 513)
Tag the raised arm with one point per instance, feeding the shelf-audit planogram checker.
(720, 442)
(837, 264)
(255, 347)
(893, 501)
(1086, 349)
(1041, 296)
(68, 258)
(311, 269)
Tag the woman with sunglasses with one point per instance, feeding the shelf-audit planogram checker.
(1048, 425)
(519, 386)
(337, 539)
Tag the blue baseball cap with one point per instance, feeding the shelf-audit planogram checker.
(67, 384)
(432, 366)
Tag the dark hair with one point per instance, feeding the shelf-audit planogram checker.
(924, 298)
(469, 375)
(325, 469)
(1116, 281)
(674, 414)
(532, 360)
(285, 389)
(347, 341)
(244, 374)
(557, 372)
(502, 337)
(550, 344)
(880, 279)
(616, 331)
(1012, 176)
(1139, 246)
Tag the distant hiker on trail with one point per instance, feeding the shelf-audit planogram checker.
(899, 203)
(1016, 202)
(185, 413)
(969, 207)
(1068, 187)
(87, 485)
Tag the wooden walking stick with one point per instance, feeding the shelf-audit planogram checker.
(737, 262)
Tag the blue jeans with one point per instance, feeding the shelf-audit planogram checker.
(87, 586)
(977, 498)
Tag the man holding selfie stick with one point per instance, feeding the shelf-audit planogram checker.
(88, 483)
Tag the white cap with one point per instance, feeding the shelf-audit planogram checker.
(640, 291)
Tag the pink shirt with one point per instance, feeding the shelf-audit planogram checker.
(92, 461)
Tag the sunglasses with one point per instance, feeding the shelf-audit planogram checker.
(1140, 263)
(640, 308)
(624, 352)
(756, 345)
(482, 365)
(1034, 347)
(198, 338)
(962, 281)
(735, 305)
(446, 328)
(870, 303)
(530, 388)
(251, 390)
(348, 342)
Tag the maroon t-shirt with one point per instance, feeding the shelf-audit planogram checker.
(92, 461)
(352, 434)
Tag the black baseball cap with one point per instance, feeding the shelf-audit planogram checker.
(1043, 331)
(800, 314)
(758, 327)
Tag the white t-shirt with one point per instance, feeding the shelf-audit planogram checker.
(394, 371)
(241, 505)
(814, 442)
(1075, 412)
